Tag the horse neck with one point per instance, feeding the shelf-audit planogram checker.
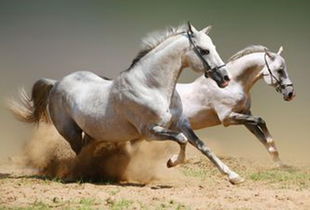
(247, 69)
(162, 66)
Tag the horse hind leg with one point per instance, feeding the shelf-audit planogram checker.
(72, 133)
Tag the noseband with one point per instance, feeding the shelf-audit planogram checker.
(278, 84)
(205, 63)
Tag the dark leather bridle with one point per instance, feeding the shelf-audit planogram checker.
(208, 68)
(278, 84)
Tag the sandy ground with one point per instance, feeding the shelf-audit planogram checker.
(45, 179)
(197, 185)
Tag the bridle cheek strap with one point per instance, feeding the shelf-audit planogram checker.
(205, 63)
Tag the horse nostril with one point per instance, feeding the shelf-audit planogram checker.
(226, 78)
(290, 95)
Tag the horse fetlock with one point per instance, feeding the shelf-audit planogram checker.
(272, 149)
(181, 138)
(269, 140)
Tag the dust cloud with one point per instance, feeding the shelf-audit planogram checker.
(141, 162)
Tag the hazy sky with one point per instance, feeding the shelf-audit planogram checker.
(53, 38)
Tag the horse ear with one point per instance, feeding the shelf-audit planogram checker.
(191, 29)
(269, 54)
(207, 29)
(280, 50)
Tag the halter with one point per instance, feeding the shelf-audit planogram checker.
(205, 63)
(278, 84)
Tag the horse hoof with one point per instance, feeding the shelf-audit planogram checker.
(68, 180)
(169, 164)
(173, 161)
(236, 179)
(280, 164)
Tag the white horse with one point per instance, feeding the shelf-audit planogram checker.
(139, 104)
(206, 105)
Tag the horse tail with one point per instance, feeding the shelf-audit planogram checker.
(34, 109)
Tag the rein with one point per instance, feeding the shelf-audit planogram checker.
(205, 63)
(278, 83)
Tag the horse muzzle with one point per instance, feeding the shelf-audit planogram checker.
(224, 81)
(224, 84)
(220, 76)
(289, 94)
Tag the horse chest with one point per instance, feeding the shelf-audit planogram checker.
(234, 97)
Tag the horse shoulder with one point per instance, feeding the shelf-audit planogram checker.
(139, 104)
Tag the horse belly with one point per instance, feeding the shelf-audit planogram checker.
(113, 131)
(95, 115)
(204, 119)
(105, 124)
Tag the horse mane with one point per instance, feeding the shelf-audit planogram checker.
(104, 77)
(248, 50)
(152, 40)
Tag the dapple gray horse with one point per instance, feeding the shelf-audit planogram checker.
(139, 104)
(206, 105)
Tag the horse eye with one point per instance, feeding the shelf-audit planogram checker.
(281, 72)
(204, 51)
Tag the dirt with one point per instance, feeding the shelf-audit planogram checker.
(49, 175)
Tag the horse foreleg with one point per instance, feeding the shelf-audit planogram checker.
(267, 141)
(233, 177)
(258, 127)
(160, 133)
